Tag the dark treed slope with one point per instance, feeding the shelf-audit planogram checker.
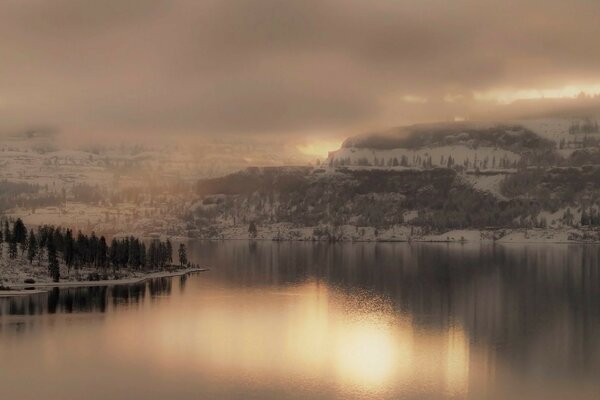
(509, 137)
(380, 198)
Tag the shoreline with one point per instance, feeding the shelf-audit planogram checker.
(18, 289)
(404, 234)
(490, 241)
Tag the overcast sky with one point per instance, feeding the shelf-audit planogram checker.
(281, 67)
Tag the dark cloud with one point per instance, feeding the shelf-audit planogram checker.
(261, 67)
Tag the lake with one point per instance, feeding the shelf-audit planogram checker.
(320, 321)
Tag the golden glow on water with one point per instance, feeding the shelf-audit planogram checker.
(279, 330)
(309, 331)
(367, 354)
(457, 362)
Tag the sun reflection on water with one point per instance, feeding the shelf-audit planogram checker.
(310, 332)
(368, 355)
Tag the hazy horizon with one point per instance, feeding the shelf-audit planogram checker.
(305, 73)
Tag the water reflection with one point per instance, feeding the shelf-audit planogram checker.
(306, 320)
(535, 308)
(84, 299)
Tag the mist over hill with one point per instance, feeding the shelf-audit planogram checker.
(421, 179)
(397, 184)
(510, 137)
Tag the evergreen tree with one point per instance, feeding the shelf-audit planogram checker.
(123, 252)
(32, 247)
(81, 249)
(404, 161)
(40, 253)
(6, 231)
(69, 249)
(53, 266)
(102, 252)
(568, 217)
(143, 256)
(169, 250)
(19, 232)
(12, 249)
(113, 253)
(585, 219)
(93, 244)
(59, 239)
(152, 259)
(252, 231)
(132, 252)
(182, 255)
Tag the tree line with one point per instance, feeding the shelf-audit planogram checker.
(590, 217)
(81, 250)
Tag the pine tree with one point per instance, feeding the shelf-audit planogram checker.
(19, 232)
(32, 247)
(102, 252)
(143, 256)
(53, 266)
(81, 249)
(585, 219)
(169, 250)
(182, 255)
(152, 259)
(252, 231)
(6, 231)
(93, 246)
(123, 248)
(134, 252)
(12, 249)
(113, 253)
(68, 249)
(404, 161)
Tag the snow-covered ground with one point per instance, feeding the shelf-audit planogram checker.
(486, 183)
(404, 233)
(27, 160)
(554, 129)
(14, 272)
(118, 219)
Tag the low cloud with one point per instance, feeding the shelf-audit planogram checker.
(262, 68)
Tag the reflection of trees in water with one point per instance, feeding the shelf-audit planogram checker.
(160, 286)
(539, 303)
(515, 299)
(84, 299)
(182, 283)
(76, 300)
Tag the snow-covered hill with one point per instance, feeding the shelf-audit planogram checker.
(472, 146)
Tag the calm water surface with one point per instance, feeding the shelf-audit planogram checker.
(319, 321)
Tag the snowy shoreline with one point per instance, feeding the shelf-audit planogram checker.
(350, 233)
(18, 289)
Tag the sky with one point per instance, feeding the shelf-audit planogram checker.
(305, 71)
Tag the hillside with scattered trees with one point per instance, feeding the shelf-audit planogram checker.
(431, 200)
